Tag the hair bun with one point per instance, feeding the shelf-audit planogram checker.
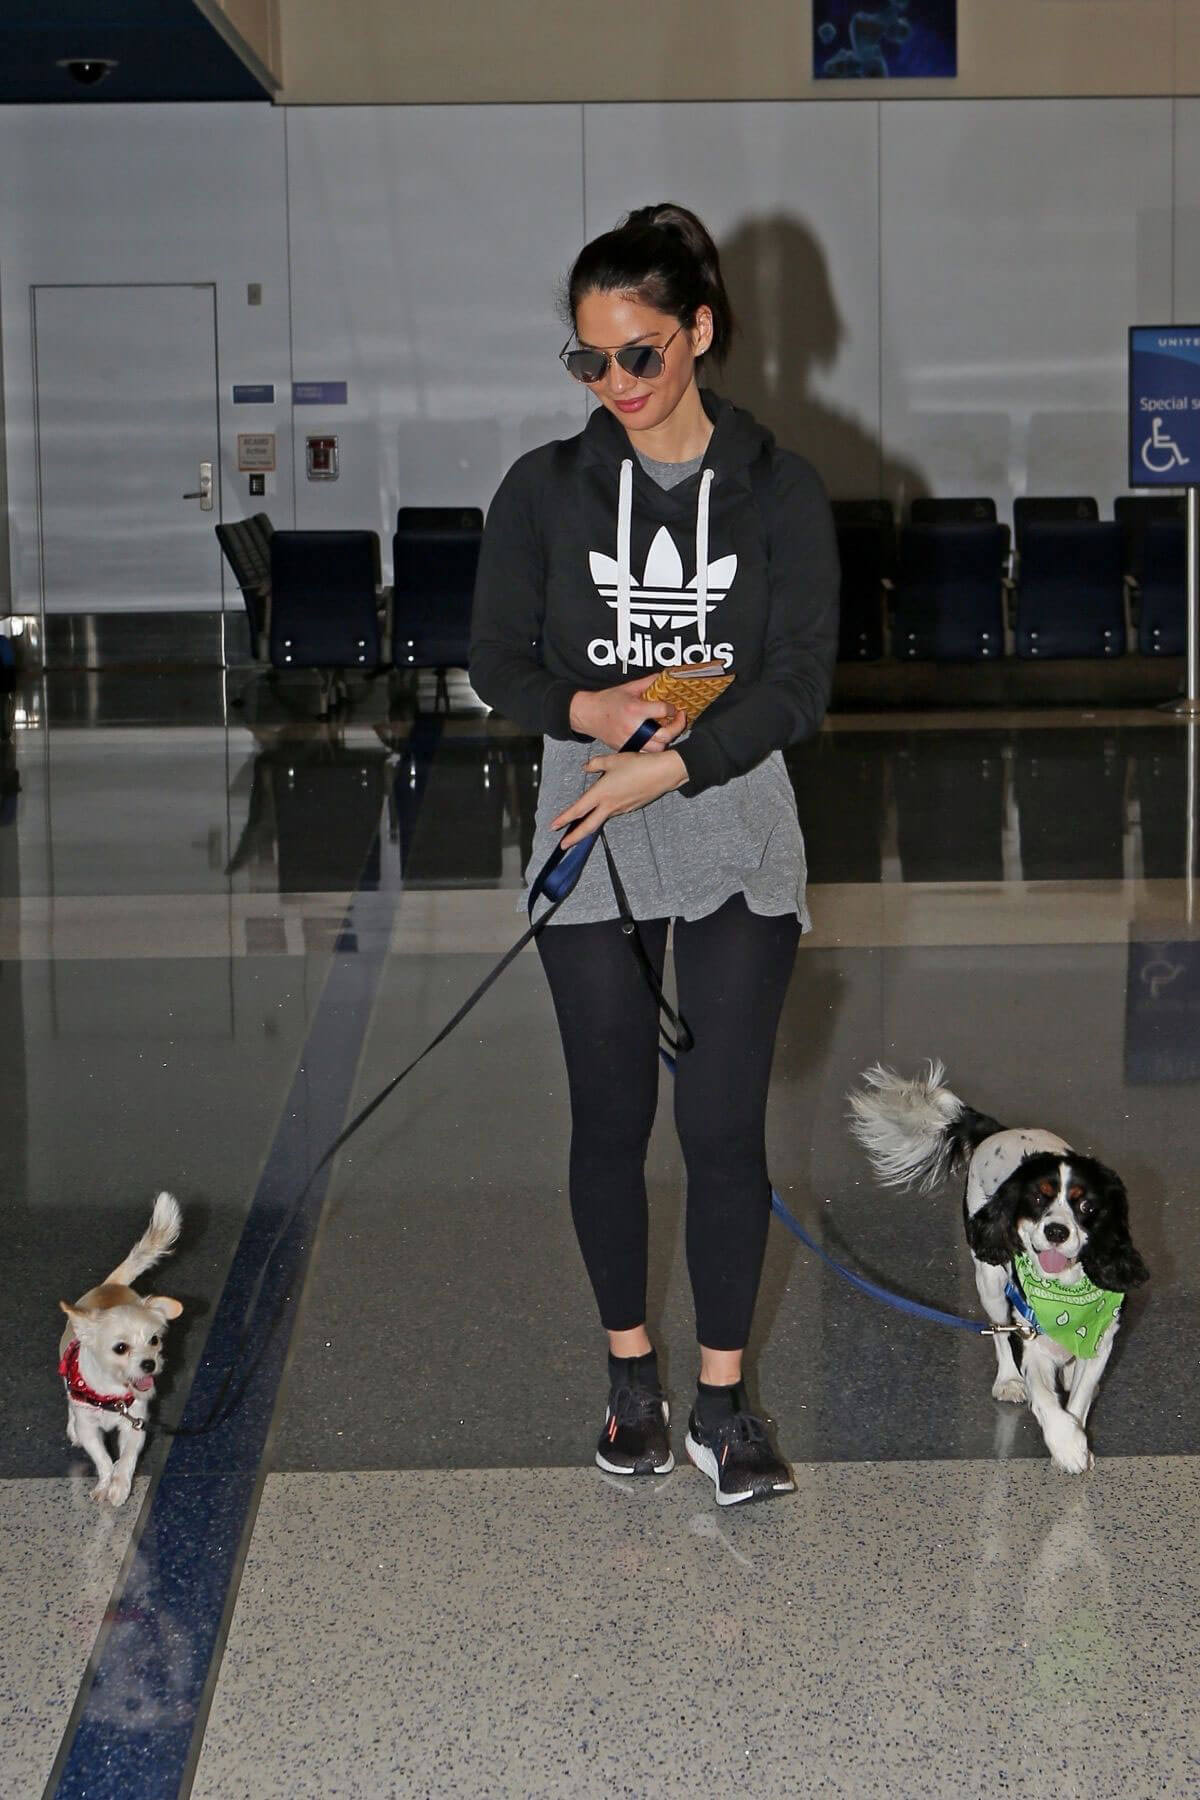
(665, 256)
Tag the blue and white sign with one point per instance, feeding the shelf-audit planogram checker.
(1164, 406)
(254, 393)
(318, 393)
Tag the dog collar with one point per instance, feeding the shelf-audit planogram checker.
(78, 1389)
(1075, 1315)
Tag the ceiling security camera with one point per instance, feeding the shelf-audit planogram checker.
(87, 70)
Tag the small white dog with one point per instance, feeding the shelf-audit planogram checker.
(1048, 1230)
(111, 1354)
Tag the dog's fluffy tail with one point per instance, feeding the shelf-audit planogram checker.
(157, 1239)
(917, 1132)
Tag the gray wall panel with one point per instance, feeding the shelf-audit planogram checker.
(427, 243)
(1186, 214)
(789, 193)
(145, 194)
(1020, 239)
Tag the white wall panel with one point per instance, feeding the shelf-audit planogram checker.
(427, 244)
(1020, 239)
(789, 193)
(1187, 213)
(144, 194)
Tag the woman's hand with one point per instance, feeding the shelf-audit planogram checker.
(627, 782)
(613, 714)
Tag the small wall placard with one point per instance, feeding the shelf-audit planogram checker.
(256, 450)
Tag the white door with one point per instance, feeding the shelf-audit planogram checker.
(127, 426)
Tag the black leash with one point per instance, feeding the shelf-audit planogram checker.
(554, 882)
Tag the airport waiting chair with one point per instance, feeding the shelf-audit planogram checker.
(928, 509)
(246, 544)
(324, 609)
(866, 539)
(950, 593)
(439, 518)
(1053, 509)
(1071, 590)
(435, 557)
(1160, 593)
(1133, 513)
(1049, 509)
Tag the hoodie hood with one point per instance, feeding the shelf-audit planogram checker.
(738, 440)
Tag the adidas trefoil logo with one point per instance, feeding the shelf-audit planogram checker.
(662, 599)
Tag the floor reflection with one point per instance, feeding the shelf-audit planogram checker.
(312, 820)
(292, 804)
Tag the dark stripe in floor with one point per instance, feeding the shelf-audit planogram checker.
(139, 1718)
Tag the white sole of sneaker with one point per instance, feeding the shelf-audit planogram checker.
(706, 1462)
(613, 1469)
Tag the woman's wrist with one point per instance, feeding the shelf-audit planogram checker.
(578, 710)
(675, 767)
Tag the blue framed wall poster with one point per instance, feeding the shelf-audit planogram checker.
(884, 40)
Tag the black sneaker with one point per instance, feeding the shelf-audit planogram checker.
(635, 1440)
(739, 1459)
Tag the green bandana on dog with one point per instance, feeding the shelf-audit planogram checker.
(1075, 1317)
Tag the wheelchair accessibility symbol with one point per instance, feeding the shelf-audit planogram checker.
(1161, 453)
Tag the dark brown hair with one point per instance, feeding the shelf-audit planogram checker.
(665, 258)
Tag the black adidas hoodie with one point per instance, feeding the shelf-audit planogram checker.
(591, 574)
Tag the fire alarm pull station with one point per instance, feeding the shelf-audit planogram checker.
(321, 458)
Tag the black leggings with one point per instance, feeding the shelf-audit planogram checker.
(731, 970)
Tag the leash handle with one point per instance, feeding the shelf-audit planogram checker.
(564, 867)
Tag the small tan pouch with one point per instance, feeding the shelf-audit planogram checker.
(690, 690)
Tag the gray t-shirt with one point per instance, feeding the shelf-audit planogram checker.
(667, 474)
(681, 858)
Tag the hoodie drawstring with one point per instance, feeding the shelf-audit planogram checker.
(706, 481)
(624, 528)
(624, 573)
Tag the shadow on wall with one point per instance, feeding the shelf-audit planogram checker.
(788, 330)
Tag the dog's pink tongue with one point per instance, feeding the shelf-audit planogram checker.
(144, 1383)
(1053, 1262)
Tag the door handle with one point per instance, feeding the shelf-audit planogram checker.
(204, 493)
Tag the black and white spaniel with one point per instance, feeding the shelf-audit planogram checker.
(1048, 1231)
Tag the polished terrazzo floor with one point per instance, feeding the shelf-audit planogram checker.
(391, 1570)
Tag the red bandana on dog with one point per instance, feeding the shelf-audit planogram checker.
(78, 1389)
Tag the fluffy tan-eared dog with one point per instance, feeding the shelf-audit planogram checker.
(112, 1353)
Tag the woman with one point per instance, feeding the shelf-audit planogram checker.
(670, 531)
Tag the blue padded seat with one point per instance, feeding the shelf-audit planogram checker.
(1162, 590)
(1071, 594)
(434, 565)
(324, 609)
(950, 593)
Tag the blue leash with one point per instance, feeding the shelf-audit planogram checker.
(554, 882)
(915, 1308)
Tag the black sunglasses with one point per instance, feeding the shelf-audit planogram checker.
(643, 361)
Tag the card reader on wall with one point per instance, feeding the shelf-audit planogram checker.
(321, 458)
